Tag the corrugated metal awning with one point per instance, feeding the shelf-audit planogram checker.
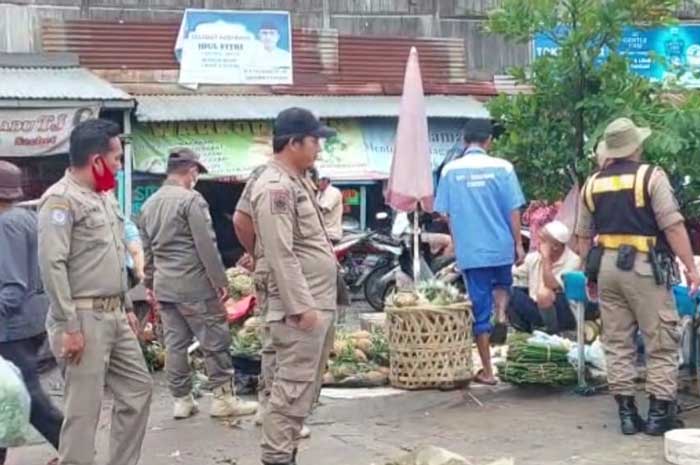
(65, 83)
(266, 107)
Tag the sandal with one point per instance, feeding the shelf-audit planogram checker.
(479, 378)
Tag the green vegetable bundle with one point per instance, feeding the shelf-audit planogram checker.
(14, 407)
(154, 355)
(240, 283)
(533, 363)
(245, 343)
(552, 374)
(519, 350)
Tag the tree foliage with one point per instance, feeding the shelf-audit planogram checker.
(551, 132)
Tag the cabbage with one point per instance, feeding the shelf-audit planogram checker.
(14, 407)
(240, 283)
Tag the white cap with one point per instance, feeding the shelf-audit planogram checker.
(558, 231)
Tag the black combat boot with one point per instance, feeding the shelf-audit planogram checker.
(292, 462)
(662, 417)
(630, 421)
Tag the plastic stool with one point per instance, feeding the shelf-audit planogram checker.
(575, 291)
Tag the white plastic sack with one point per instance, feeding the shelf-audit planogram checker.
(542, 339)
(594, 356)
(14, 406)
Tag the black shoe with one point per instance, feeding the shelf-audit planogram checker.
(662, 417)
(630, 421)
(292, 462)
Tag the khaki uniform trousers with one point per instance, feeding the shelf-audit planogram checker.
(292, 386)
(205, 321)
(112, 357)
(267, 363)
(631, 300)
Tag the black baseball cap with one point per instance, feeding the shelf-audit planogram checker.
(299, 122)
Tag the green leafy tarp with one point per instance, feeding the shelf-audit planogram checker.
(14, 406)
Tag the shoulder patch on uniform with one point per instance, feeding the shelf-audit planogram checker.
(59, 215)
(279, 201)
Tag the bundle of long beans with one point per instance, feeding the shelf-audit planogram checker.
(531, 363)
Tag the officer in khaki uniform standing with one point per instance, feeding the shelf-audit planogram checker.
(81, 256)
(185, 274)
(296, 269)
(245, 231)
(632, 209)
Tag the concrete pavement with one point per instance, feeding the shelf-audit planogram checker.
(534, 426)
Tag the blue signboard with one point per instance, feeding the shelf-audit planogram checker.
(668, 54)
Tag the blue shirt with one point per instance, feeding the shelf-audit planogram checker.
(479, 192)
(131, 233)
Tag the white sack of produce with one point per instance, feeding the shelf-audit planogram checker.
(14, 406)
(594, 356)
(682, 446)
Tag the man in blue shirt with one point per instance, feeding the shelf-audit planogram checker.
(482, 197)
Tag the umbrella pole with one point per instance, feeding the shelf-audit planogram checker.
(416, 246)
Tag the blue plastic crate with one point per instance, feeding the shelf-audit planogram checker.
(685, 304)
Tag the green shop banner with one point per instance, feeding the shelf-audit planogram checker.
(362, 149)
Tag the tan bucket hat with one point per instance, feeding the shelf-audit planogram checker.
(10, 181)
(621, 139)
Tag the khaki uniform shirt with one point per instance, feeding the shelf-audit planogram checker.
(182, 261)
(243, 204)
(663, 203)
(331, 203)
(293, 255)
(81, 248)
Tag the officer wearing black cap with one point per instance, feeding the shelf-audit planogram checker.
(295, 271)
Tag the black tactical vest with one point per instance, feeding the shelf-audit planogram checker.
(619, 199)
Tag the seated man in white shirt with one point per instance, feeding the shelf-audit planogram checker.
(538, 301)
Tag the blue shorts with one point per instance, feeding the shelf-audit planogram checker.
(480, 284)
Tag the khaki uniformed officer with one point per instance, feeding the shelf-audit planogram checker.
(631, 207)
(297, 271)
(185, 272)
(245, 231)
(81, 255)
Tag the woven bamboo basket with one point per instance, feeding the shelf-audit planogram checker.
(430, 347)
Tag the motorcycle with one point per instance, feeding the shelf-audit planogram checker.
(360, 255)
(434, 265)
(383, 281)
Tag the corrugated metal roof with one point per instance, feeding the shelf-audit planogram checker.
(56, 83)
(506, 84)
(325, 63)
(239, 107)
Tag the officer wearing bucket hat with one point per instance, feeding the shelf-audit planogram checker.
(631, 208)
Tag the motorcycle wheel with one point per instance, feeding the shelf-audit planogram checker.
(375, 290)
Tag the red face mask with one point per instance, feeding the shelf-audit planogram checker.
(106, 181)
